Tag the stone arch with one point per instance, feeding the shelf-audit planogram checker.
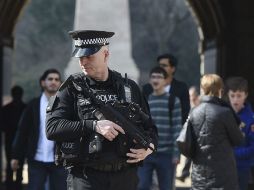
(228, 28)
(212, 23)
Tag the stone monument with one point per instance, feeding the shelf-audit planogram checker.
(110, 15)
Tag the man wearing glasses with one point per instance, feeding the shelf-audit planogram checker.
(175, 87)
(165, 159)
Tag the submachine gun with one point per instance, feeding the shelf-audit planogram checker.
(127, 115)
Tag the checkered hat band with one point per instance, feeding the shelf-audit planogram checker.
(93, 41)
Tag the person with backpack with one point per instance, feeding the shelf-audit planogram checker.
(168, 122)
(173, 86)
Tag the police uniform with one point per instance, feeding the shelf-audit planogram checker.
(93, 161)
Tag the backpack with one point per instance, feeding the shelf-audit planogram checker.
(171, 104)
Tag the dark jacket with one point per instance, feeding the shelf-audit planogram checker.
(178, 89)
(11, 114)
(216, 131)
(65, 122)
(27, 136)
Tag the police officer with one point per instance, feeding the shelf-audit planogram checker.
(98, 153)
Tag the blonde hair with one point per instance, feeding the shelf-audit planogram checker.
(211, 84)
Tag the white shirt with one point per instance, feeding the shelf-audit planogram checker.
(45, 148)
(167, 88)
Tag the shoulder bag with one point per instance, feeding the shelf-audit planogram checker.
(186, 141)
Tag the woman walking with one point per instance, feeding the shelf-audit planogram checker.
(216, 130)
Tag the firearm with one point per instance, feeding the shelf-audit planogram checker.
(129, 116)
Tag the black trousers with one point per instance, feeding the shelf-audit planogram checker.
(10, 183)
(90, 179)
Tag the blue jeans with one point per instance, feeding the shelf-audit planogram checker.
(165, 169)
(38, 173)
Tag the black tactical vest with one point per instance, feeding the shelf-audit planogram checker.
(94, 148)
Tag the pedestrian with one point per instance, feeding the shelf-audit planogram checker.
(216, 131)
(194, 101)
(175, 87)
(194, 96)
(237, 92)
(11, 114)
(98, 153)
(30, 141)
(165, 160)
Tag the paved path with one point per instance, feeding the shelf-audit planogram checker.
(178, 188)
(179, 185)
(24, 188)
